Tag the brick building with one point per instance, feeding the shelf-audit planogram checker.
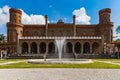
(40, 39)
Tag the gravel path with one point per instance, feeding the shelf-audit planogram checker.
(59, 74)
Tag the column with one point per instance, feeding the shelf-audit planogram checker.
(55, 49)
(29, 49)
(19, 50)
(82, 48)
(64, 48)
(38, 48)
(47, 48)
(90, 48)
(73, 49)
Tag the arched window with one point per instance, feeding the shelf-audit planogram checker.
(69, 47)
(42, 47)
(95, 47)
(77, 47)
(24, 48)
(51, 47)
(33, 47)
(86, 48)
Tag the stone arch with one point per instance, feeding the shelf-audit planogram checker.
(118, 46)
(24, 48)
(51, 47)
(95, 47)
(69, 47)
(86, 47)
(42, 47)
(33, 47)
(77, 47)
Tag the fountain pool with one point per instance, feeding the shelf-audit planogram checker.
(59, 43)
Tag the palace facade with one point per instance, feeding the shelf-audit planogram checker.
(40, 39)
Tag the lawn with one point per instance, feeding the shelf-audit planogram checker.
(95, 64)
(9, 60)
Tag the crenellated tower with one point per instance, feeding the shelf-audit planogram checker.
(104, 16)
(14, 28)
(106, 24)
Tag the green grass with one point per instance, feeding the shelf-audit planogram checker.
(9, 60)
(98, 65)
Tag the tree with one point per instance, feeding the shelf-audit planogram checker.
(117, 40)
(2, 38)
(118, 29)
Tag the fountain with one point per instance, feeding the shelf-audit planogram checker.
(60, 44)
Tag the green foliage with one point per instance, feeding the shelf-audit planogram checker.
(117, 40)
(118, 29)
(2, 38)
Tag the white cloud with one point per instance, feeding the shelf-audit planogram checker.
(4, 15)
(81, 16)
(26, 19)
(32, 19)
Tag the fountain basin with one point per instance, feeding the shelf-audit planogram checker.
(63, 61)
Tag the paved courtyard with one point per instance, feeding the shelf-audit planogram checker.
(59, 74)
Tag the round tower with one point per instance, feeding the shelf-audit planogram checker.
(106, 24)
(104, 16)
(14, 28)
(15, 15)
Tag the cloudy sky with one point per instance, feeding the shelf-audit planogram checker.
(35, 10)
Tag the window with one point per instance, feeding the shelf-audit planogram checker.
(36, 33)
(60, 33)
(43, 33)
(67, 33)
(104, 15)
(21, 31)
(19, 16)
(52, 33)
(14, 15)
(15, 20)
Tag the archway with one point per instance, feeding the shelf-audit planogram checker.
(24, 48)
(86, 48)
(69, 47)
(51, 48)
(77, 47)
(95, 47)
(42, 47)
(33, 47)
(118, 46)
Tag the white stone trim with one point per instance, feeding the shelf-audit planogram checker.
(80, 37)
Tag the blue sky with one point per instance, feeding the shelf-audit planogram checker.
(64, 9)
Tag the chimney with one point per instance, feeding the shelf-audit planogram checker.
(46, 23)
(46, 19)
(74, 17)
(74, 26)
